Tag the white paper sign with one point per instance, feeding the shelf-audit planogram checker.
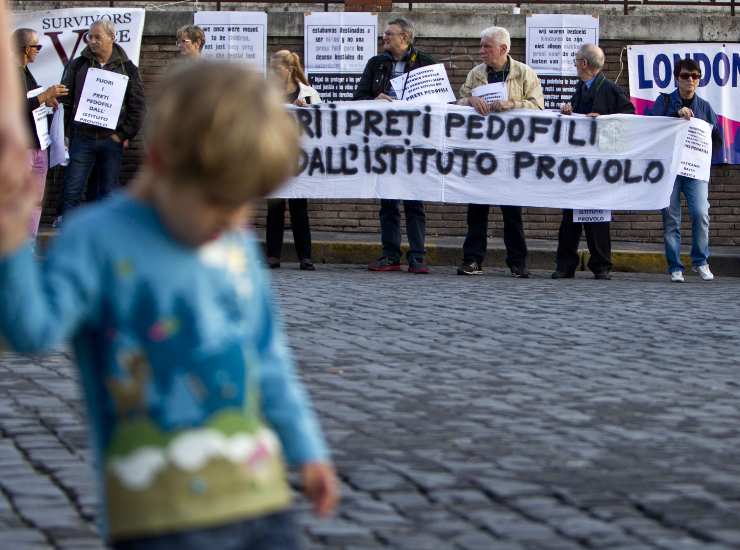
(102, 98)
(428, 84)
(235, 35)
(696, 158)
(40, 120)
(591, 216)
(58, 153)
(62, 34)
(492, 92)
(450, 153)
(339, 42)
(552, 42)
(337, 46)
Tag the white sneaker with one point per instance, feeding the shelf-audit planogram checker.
(703, 271)
(677, 276)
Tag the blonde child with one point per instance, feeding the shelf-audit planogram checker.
(162, 293)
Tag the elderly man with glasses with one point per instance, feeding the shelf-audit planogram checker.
(399, 57)
(524, 91)
(595, 95)
(94, 145)
(683, 102)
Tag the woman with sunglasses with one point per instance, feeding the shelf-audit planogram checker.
(683, 102)
(27, 47)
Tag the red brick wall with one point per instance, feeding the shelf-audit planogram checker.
(449, 220)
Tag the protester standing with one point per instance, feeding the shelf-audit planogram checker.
(288, 72)
(27, 48)
(399, 57)
(683, 102)
(92, 145)
(595, 95)
(524, 92)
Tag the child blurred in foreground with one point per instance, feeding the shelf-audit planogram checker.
(183, 364)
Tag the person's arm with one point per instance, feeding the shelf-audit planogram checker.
(622, 104)
(42, 304)
(364, 88)
(135, 107)
(532, 97)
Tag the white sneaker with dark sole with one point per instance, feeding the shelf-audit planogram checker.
(704, 272)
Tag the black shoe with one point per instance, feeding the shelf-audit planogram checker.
(562, 274)
(470, 268)
(384, 263)
(519, 272)
(272, 262)
(307, 265)
(602, 275)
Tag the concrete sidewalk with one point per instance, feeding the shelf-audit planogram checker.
(360, 248)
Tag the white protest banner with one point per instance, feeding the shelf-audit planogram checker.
(428, 84)
(492, 92)
(552, 43)
(696, 157)
(40, 120)
(235, 35)
(651, 72)
(63, 36)
(101, 98)
(58, 153)
(591, 216)
(337, 46)
(449, 153)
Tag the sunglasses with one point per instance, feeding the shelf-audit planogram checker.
(36, 47)
(692, 76)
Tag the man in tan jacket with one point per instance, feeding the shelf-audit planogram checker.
(523, 91)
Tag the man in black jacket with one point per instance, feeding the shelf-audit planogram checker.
(94, 145)
(595, 95)
(399, 57)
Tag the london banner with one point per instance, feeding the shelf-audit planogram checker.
(63, 36)
(651, 72)
(449, 153)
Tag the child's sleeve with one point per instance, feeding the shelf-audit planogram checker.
(285, 404)
(42, 304)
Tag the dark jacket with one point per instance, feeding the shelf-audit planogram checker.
(669, 105)
(132, 111)
(376, 79)
(603, 97)
(29, 83)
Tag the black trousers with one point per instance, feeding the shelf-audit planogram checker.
(598, 240)
(298, 221)
(476, 241)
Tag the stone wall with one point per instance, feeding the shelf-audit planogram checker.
(453, 40)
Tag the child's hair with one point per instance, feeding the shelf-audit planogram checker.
(293, 63)
(220, 126)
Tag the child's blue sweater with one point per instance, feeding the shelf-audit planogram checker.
(168, 340)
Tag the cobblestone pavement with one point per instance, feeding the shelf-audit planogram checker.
(464, 413)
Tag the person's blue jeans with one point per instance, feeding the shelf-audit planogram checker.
(84, 153)
(390, 228)
(697, 198)
(274, 532)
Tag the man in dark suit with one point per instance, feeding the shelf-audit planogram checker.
(595, 95)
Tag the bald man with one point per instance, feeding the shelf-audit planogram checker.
(595, 95)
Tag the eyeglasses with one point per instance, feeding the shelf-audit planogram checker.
(578, 60)
(183, 42)
(36, 47)
(389, 33)
(692, 76)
